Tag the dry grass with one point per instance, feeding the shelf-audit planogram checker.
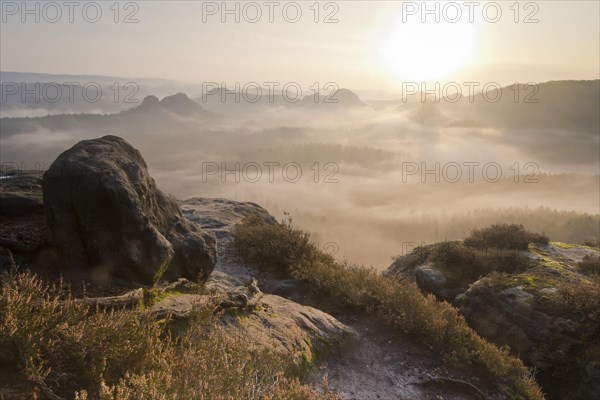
(590, 265)
(122, 355)
(401, 306)
(579, 299)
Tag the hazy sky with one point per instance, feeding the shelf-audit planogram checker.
(369, 47)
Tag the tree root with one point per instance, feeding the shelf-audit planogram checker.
(127, 300)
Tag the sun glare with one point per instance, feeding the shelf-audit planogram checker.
(427, 51)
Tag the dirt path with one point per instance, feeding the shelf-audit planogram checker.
(378, 365)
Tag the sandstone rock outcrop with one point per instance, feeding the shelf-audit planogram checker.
(106, 215)
(545, 310)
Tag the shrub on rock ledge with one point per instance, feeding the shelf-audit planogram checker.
(504, 236)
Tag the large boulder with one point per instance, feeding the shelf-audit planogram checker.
(106, 216)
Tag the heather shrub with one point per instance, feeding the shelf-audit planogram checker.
(399, 305)
(72, 351)
(580, 298)
(504, 236)
(462, 264)
(590, 265)
(592, 241)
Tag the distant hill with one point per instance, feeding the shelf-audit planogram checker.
(179, 104)
(151, 113)
(14, 76)
(227, 101)
(78, 93)
(554, 105)
(343, 98)
(232, 102)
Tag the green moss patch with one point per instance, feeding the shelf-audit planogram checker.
(154, 296)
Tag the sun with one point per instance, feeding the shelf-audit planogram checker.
(417, 51)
